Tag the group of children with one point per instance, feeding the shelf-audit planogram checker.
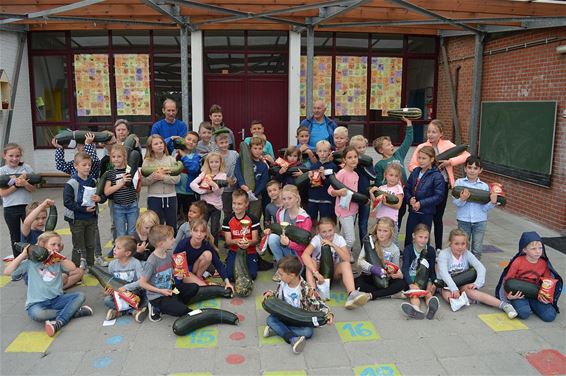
(214, 184)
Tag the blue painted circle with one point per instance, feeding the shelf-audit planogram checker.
(114, 340)
(102, 362)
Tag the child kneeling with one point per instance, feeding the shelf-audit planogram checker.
(45, 298)
(294, 290)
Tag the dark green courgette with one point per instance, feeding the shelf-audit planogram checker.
(203, 317)
(293, 316)
(460, 279)
(407, 112)
(529, 289)
(247, 165)
(421, 278)
(175, 169)
(372, 257)
(356, 197)
(389, 198)
(452, 152)
(130, 144)
(326, 268)
(64, 137)
(35, 252)
(243, 282)
(31, 178)
(210, 292)
(106, 279)
(302, 179)
(134, 160)
(296, 234)
(477, 195)
(52, 217)
(100, 187)
(291, 170)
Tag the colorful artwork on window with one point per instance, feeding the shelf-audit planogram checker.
(386, 78)
(322, 81)
(92, 85)
(351, 85)
(133, 94)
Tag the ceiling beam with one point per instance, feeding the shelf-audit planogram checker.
(329, 12)
(93, 19)
(170, 11)
(48, 12)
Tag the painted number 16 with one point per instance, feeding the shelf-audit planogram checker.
(358, 330)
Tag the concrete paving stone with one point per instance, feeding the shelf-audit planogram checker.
(445, 346)
(554, 336)
(481, 344)
(244, 334)
(249, 357)
(509, 364)
(361, 353)
(465, 365)
(137, 362)
(421, 367)
(190, 360)
(101, 361)
(71, 341)
(523, 341)
(323, 355)
(281, 357)
(338, 371)
(18, 363)
(154, 335)
(58, 363)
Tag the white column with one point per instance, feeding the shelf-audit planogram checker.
(294, 113)
(197, 79)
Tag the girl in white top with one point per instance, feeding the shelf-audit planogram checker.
(326, 235)
(212, 169)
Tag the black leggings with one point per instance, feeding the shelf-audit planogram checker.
(437, 219)
(365, 284)
(176, 305)
(14, 217)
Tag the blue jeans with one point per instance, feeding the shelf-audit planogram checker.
(475, 232)
(325, 210)
(61, 308)
(110, 303)
(525, 307)
(252, 264)
(125, 217)
(279, 251)
(288, 332)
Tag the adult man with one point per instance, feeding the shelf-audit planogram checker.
(319, 125)
(169, 126)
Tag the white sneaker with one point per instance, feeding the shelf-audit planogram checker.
(510, 311)
(98, 260)
(357, 299)
(268, 332)
(83, 264)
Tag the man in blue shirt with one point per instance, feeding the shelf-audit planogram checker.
(169, 126)
(320, 127)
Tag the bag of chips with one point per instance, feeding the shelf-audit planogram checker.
(546, 291)
(316, 179)
(180, 265)
(53, 258)
(126, 299)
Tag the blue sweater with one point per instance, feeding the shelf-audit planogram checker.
(191, 162)
(75, 203)
(408, 258)
(429, 191)
(261, 176)
(166, 130)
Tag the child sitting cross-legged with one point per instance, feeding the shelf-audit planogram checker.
(46, 301)
(294, 290)
(129, 269)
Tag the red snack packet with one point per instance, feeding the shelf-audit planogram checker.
(391, 267)
(204, 183)
(125, 300)
(263, 244)
(180, 265)
(497, 188)
(281, 162)
(53, 258)
(546, 291)
(415, 293)
(316, 179)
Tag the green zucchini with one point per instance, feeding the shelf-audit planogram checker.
(210, 292)
(460, 279)
(220, 131)
(243, 283)
(356, 197)
(51, 222)
(529, 289)
(35, 252)
(100, 187)
(179, 143)
(134, 160)
(421, 278)
(372, 257)
(364, 160)
(389, 198)
(130, 144)
(31, 178)
(406, 112)
(64, 137)
(477, 195)
(301, 180)
(203, 317)
(291, 170)
(452, 152)
(247, 165)
(296, 234)
(326, 268)
(293, 316)
(175, 169)
(106, 279)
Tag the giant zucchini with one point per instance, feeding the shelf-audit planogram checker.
(291, 170)
(389, 198)
(100, 187)
(174, 170)
(203, 317)
(477, 195)
(452, 152)
(372, 257)
(243, 283)
(296, 234)
(407, 112)
(130, 144)
(302, 179)
(134, 160)
(210, 292)
(293, 316)
(356, 197)
(421, 278)
(326, 268)
(529, 289)
(64, 137)
(31, 178)
(247, 166)
(35, 252)
(364, 160)
(106, 279)
(51, 222)
(460, 279)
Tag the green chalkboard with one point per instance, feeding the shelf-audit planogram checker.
(518, 136)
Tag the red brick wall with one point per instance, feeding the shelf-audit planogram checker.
(532, 73)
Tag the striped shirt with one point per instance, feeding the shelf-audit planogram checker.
(125, 195)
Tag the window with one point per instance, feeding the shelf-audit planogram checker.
(91, 39)
(51, 88)
(268, 40)
(386, 44)
(420, 83)
(50, 40)
(422, 45)
(130, 39)
(224, 40)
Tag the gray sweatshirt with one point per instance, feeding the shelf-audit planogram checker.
(448, 265)
(131, 272)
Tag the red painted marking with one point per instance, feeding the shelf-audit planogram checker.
(548, 362)
(236, 301)
(235, 359)
(242, 318)
(237, 336)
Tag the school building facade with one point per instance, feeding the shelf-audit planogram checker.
(77, 68)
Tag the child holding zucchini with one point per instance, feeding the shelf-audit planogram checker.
(472, 216)
(342, 269)
(35, 222)
(161, 195)
(319, 200)
(197, 210)
(145, 222)
(392, 186)
(457, 259)
(531, 265)
(364, 182)
(251, 169)
(292, 158)
(296, 292)
(230, 158)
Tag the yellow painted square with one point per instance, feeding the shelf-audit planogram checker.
(108, 245)
(337, 298)
(285, 373)
(258, 301)
(89, 280)
(201, 338)
(30, 342)
(4, 280)
(383, 369)
(354, 331)
(64, 231)
(499, 322)
(274, 340)
(142, 210)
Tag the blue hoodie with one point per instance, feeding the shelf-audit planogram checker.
(526, 238)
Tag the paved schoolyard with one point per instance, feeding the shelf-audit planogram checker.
(374, 340)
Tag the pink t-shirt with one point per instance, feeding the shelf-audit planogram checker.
(350, 180)
(387, 211)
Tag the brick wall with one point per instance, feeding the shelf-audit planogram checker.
(532, 73)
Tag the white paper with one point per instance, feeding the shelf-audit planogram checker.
(109, 322)
(345, 200)
(462, 301)
(324, 289)
(87, 197)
